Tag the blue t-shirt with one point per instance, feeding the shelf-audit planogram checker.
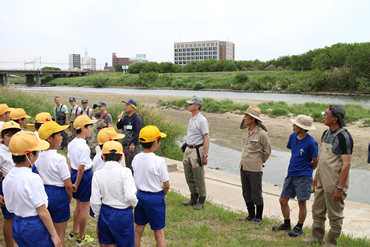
(302, 153)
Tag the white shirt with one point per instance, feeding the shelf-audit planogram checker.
(113, 185)
(79, 154)
(6, 160)
(98, 162)
(52, 167)
(24, 192)
(37, 134)
(197, 128)
(150, 171)
(1, 124)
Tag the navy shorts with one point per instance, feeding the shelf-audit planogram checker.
(6, 213)
(116, 226)
(297, 186)
(58, 203)
(151, 209)
(84, 189)
(30, 231)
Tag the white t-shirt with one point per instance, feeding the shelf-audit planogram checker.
(79, 154)
(150, 171)
(98, 162)
(1, 124)
(197, 128)
(113, 185)
(6, 160)
(37, 134)
(24, 192)
(52, 167)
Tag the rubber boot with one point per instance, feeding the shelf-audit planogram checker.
(200, 203)
(318, 233)
(332, 238)
(193, 200)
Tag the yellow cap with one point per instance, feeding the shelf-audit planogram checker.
(43, 117)
(18, 113)
(25, 142)
(112, 147)
(81, 121)
(49, 128)
(150, 133)
(4, 108)
(108, 134)
(10, 125)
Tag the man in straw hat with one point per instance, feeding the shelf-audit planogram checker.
(332, 177)
(256, 150)
(298, 183)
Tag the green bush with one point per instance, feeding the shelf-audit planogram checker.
(240, 78)
(198, 86)
(363, 84)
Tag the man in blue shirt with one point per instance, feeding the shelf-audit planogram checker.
(298, 183)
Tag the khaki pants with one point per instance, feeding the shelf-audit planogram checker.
(194, 174)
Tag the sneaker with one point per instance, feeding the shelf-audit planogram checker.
(247, 219)
(282, 227)
(257, 221)
(295, 232)
(73, 236)
(87, 239)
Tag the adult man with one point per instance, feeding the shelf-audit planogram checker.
(61, 117)
(298, 183)
(332, 177)
(196, 154)
(104, 121)
(86, 110)
(75, 112)
(256, 150)
(131, 125)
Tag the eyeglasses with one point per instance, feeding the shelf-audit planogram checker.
(327, 114)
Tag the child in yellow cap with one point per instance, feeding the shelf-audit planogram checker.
(105, 201)
(4, 114)
(6, 164)
(40, 119)
(25, 195)
(81, 176)
(152, 181)
(54, 171)
(19, 115)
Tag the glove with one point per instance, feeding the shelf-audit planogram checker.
(95, 105)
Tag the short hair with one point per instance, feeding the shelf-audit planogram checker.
(38, 125)
(79, 130)
(12, 130)
(148, 144)
(53, 135)
(56, 97)
(200, 106)
(21, 158)
(112, 157)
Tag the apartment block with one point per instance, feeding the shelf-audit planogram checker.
(74, 61)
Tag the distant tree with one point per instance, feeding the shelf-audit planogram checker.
(50, 68)
(118, 67)
(359, 60)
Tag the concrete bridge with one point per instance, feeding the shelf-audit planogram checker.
(30, 75)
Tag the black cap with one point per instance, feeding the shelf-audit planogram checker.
(102, 104)
(84, 101)
(339, 112)
(72, 99)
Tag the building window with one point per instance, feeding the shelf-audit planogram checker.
(176, 62)
(180, 62)
(176, 50)
(188, 53)
(176, 58)
(197, 53)
(215, 52)
(197, 58)
(207, 44)
(201, 57)
(203, 44)
(184, 62)
(201, 53)
(176, 54)
(188, 49)
(186, 45)
(192, 49)
(199, 44)
(205, 53)
(192, 58)
(193, 53)
(212, 44)
(205, 57)
(180, 58)
(180, 50)
(197, 49)
(201, 49)
(182, 46)
(214, 57)
(188, 58)
(214, 48)
(206, 48)
(190, 45)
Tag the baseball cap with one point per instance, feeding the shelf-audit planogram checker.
(112, 147)
(150, 133)
(84, 101)
(10, 125)
(49, 128)
(108, 134)
(195, 100)
(4, 108)
(339, 112)
(72, 99)
(81, 121)
(18, 113)
(43, 117)
(25, 142)
(131, 102)
(102, 104)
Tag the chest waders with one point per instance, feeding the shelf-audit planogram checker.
(102, 123)
(61, 120)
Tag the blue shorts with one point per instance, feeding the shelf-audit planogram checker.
(297, 186)
(58, 203)
(84, 189)
(6, 213)
(151, 209)
(30, 232)
(116, 226)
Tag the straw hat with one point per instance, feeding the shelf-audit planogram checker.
(304, 122)
(254, 112)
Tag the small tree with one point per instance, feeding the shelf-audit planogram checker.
(118, 67)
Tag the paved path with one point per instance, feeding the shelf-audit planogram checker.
(225, 189)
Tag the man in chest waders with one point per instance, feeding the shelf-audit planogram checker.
(104, 121)
(332, 177)
(75, 112)
(61, 117)
(131, 124)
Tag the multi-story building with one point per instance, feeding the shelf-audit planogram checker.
(88, 62)
(196, 51)
(126, 61)
(140, 58)
(74, 61)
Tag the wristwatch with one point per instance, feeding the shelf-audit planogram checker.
(339, 189)
(205, 156)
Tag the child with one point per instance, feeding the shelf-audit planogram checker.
(152, 181)
(79, 160)
(25, 195)
(105, 135)
(19, 115)
(113, 207)
(6, 164)
(40, 119)
(54, 171)
(4, 114)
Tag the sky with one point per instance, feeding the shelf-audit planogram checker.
(264, 29)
